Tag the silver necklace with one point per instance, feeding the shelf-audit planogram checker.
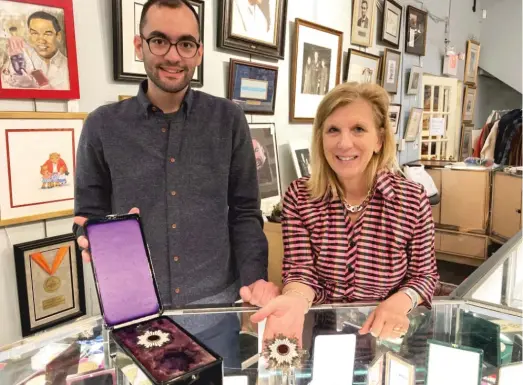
(356, 208)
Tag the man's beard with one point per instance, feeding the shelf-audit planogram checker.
(152, 73)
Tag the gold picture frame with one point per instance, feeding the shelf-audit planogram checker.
(362, 31)
(469, 104)
(414, 124)
(472, 62)
(123, 97)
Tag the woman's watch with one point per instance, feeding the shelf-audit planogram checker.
(413, 295)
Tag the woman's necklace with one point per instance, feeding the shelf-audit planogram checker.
(357, 208)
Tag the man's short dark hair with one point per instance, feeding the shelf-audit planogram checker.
(365, 2)
(169, 4)
(45, 16)
(13, 29)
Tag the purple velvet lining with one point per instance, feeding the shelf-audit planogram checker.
(174, 359)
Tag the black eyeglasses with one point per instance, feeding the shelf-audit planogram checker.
(159, 46)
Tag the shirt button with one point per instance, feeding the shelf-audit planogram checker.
(177, 290)
(173, 193)
(171, 160)
(164, 129)
(173, 225)
(352, 243)
(176, 258)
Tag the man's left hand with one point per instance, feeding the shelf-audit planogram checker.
(259, 293)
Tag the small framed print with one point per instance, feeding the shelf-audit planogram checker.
(363, 22)
(301, 158)
(376, 370)
(362, 67)
(471, 62)
(416, 33)
(253, 86)
(391, 70)
(414, 80)
(469, 101)
(398, 371)
(394, 117)
(391, 28)
(414, 124)
(49, 275)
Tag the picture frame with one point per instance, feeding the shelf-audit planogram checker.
(472, 62)
(394, 117)
(469, 102)
(24, 72)
(301, 157)
(315, 70)
(363, 16)
(362, 67)
(509, 373)
(126, 19)
(414, 85)
(391, 27)
(391, 70)
(398, 370)
(376, 370)
(41, 185)
(465, 147)
(124, 97)
(416, 31)
(253, 86)
(50, 281)
(265, 148)
(414, 124)
(255, 29)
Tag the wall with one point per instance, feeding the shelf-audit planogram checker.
(95, 55)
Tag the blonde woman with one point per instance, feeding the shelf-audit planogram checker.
(355, 230)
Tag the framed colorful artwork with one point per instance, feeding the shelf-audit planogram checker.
(315, 68)
(126, 25)
(253, 86)
(255, 27)
(38, 50)
(37, 159)
(416, 31)
(363, 22)
(362, 67)
(49, 275)
(391, 27)
(472, 62)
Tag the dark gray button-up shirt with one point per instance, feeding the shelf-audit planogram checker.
(193, 176)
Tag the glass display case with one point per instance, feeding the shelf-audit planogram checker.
(483, 314)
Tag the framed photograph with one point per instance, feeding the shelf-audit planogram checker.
(414, 80)
(465, 148)
(37, 154)
(391, 70)
(301, 158)
(315, 68)
(398, 371)
(49, 275)
(255, 27)
(414, 124)
(29, 68)
(126, 25)
(416, 31)
(266, 153)
(471, 62)
(363, 22)
(391, 28)
(394, 117)
(362, 67)
(253, 86)
(469, 101)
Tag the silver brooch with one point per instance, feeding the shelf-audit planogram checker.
(153, 339)
(282, 352)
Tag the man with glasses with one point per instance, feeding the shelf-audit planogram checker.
(185, 160)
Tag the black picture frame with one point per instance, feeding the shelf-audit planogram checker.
(118, 65)
(227, 40)
(256, 72)
(420, 34)
(391, 5)
(25, 298)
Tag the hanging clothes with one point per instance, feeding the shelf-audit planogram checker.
(507, 130)
(487, 152)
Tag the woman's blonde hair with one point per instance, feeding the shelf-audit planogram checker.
(323, 181)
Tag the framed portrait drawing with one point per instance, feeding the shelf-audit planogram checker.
(391, 70)
(315, 68)
(38, 154)
(391, 28)
(30, 69)
(253, 86)
(266, 153)
(301, 157)
(472, 62)
(49, 275)
(416, 31)
(255, 27)
(415, 80)
(363, 13)
(362, 67)
(126, 25)
(469, 101)
(394, 117)
(413, 125)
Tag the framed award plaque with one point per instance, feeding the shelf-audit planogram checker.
(49, 275)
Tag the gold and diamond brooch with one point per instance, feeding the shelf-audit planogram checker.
(153, 339)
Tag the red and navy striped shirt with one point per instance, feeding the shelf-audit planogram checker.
(389, 247)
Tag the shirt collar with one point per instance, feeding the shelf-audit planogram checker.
(149, 107)
(384, 184)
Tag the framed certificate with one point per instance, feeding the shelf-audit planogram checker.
(49, 275)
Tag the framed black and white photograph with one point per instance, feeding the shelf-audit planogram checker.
(253, 86)
(266, 153)
(315, 68)
(415, 80)
(363, 14)
(472, 62)
(391, 28)
(253, 26)
(126, 25)
(469, 101)
(362, 67)
(49, 275)
(391, 70)
(414, 124)
(301, 157)
(394, 117)
(416, 31)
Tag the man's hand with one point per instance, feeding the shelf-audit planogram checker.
(82, 241)
(259, 293)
